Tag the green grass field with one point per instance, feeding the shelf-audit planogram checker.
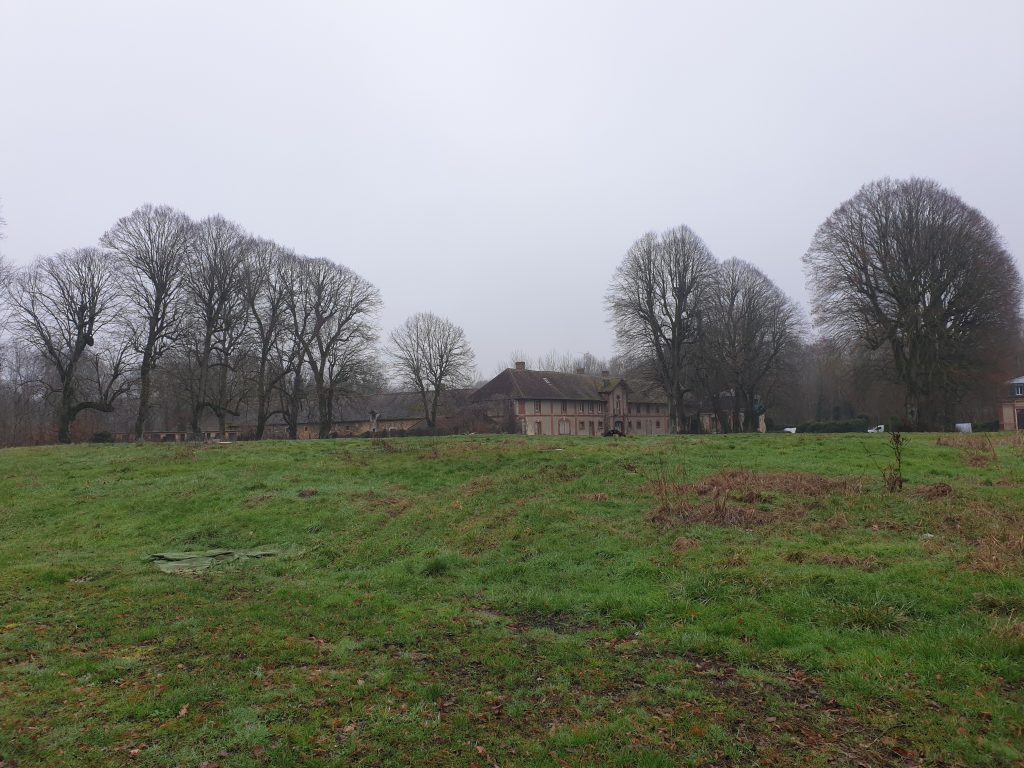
(505, 601)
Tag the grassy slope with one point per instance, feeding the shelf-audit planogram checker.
(479, 600)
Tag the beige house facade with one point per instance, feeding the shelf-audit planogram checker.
(555, 403)
(1011, 407)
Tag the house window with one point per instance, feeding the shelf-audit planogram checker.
(648, 409)
(618, 404)
(629, 425)
(536, 407)
(565, 406)
(657, 424)
(600, 425)
(579, 407)
(582, 426)
(563, 426)
(538, 428)
(590, 407)
(1018, 390)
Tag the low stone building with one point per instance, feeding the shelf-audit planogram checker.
(1011, 406)
(552, 403)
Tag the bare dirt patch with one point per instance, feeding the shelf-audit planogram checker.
(558, 622)
(306, 493)
(595, 497)
(783, 716)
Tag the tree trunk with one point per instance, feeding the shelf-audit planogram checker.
(144, 392)
(66, 414)
(65, 418)
(325, 403)
(426, 406)
(261, 425)
(261, 414)
(432, 421)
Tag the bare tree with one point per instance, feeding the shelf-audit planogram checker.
(267, 283)
(24, 416)
(6, 274)
(216, 320)
(750, 327)
(909, 267)
(432, 355)
(67, 308)
(152, 247)
(333, 312)
(656, 301)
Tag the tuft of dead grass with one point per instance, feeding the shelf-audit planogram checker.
(995, 535)
(746, 484)
(975, 450)
(595, 497)
(837, 522)
(684, 544)
(1008, 629)
(998, 552)
(869, 563)
(935, 491)
(392, 506)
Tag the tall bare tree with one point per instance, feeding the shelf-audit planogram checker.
(152, 246)
(907, 266)
(267, 283)
(216, 320)
(750, 328)
(6, 273)
(333, 315)
(656, 302)
(432, 355)
(68, 309)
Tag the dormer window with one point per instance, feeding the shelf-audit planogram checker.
(1018, 390)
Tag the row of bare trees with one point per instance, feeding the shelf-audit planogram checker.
(701, 328)
(913, 293)
(213, 317)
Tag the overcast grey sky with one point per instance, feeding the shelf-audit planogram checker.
(492, 162)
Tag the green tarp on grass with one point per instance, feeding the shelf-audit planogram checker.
(185, 562)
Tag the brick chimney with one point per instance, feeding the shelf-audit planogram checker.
(520, 365)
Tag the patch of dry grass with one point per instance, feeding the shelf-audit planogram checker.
(975, 450)
(743, 498)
